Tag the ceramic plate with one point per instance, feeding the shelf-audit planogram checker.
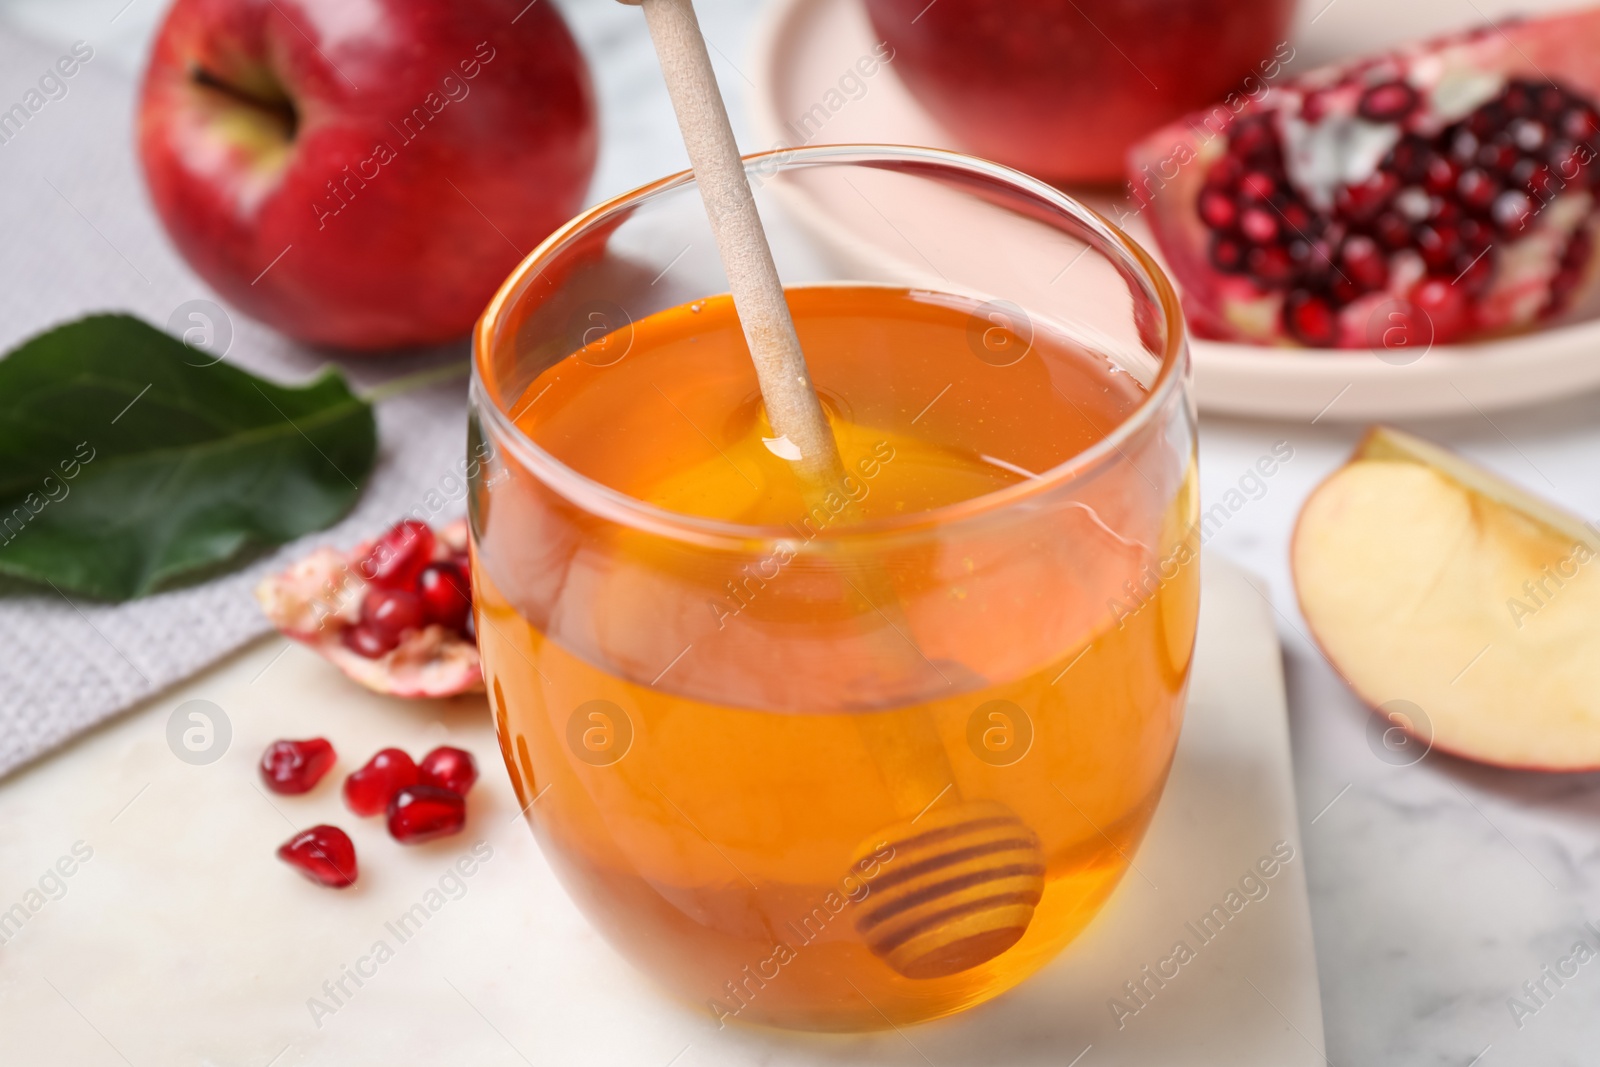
(808, 91)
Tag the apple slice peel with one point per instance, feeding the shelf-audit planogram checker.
(1429, 581)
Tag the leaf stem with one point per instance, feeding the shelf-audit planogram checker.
(410, 383)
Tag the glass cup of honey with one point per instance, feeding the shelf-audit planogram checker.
(862, 754)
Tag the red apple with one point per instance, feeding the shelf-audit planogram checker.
(364, 173)
(1062, 88)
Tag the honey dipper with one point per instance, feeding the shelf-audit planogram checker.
(965, 875)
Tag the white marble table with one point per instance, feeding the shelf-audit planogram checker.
(1437, 889)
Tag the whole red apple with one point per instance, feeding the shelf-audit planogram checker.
(1062, 88)
(364, 173)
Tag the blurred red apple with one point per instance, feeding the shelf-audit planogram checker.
(1062, 88)
(364, 173)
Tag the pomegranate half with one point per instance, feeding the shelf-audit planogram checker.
(1439, 193)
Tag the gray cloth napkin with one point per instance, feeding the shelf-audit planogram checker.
(77, 234)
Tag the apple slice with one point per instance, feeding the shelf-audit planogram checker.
(1429, 581)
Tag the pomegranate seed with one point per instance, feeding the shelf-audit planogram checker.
(1226, 174)
(1517, 100)
(323, 854)
(1392, 230)
(1227, 254)
(1269, 265)
(1251, 137)
(1217, 209)
(1295, 216)
(1441, 175)
(292, 767)
(1410, 158)
(1473, 271)
(449, 768)
(368, 641)
(1364, 263)
(1536, 178)
(1497, 157)
(1445, 305)
(1477, 189)
(1387, 103)
(1259, 225)
(368, 791)
(392, 612)
(1464, 147)
(1314, 107)
(1366, 199)
(1565, 159)
(1309, 318)
(1257, 185)
(1511, 210)
(1441, 210)
(446, 594)
(1529, 135)
(1439, 244)
(1553, 103)
(423, 812)
(399, 555)
(1413, 203)
(1487, 120)
(1580, 123)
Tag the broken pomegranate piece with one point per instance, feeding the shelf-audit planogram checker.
(324, 854)
(1440, 193)
(394, 614)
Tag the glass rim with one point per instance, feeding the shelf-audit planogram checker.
(597, 498)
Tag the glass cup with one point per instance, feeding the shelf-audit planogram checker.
(840, 772)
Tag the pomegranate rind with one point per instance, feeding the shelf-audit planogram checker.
(317, 598)
(1454, 75)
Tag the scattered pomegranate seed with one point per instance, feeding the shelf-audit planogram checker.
(446, 593)
(423, 812)
(399, 555)
(323, 854)
(392, 612)
(449, 768)
(296, 766)
(368, 791)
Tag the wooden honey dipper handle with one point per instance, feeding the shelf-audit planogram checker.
(786, 389)
(966, 876)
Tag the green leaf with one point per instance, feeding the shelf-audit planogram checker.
(129, 461)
